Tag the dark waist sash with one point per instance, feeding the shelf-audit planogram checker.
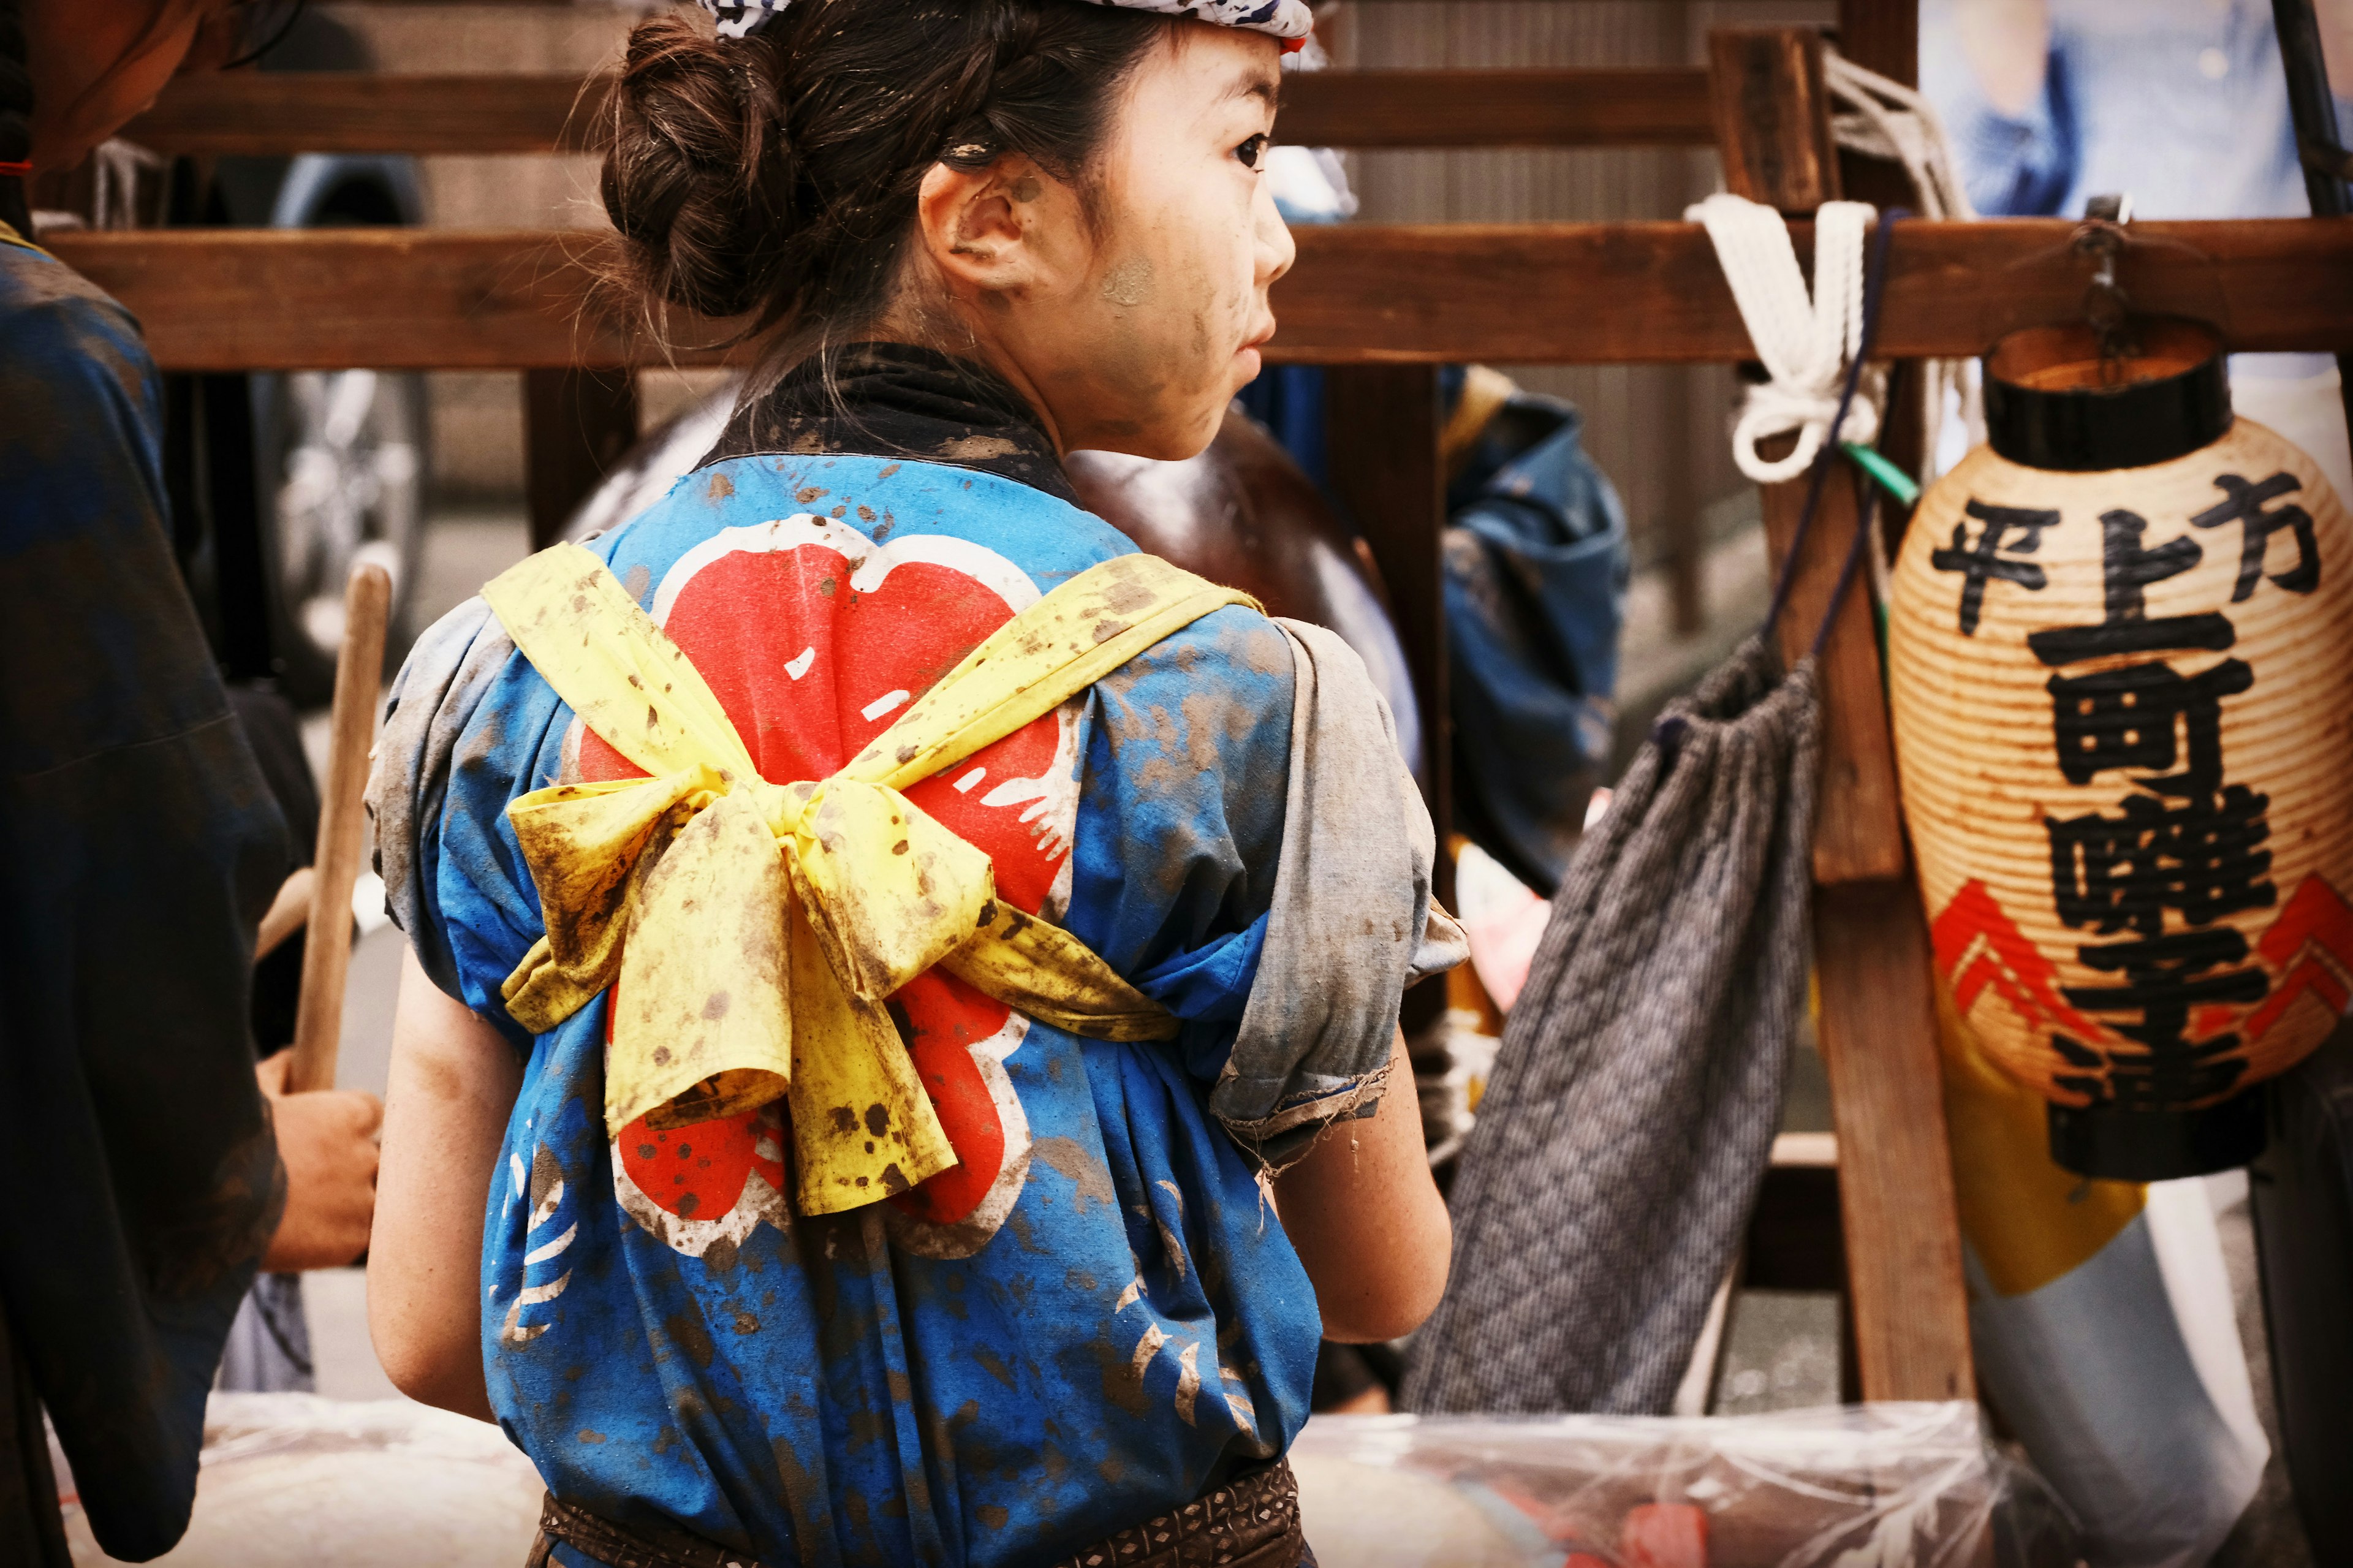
(1252, 1521)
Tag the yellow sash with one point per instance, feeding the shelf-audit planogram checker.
(8, 235)
(756, 927)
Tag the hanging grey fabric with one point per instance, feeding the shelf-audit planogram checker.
(1628, 1119)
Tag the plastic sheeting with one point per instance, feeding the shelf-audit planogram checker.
(1876, 1486)
(292, 1480)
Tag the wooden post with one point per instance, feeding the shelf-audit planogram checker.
(1883, 35)
(1871, 955)
(1684, 540)
(1772, 116)
(576, 425)
(342, 833)
(1381, 425)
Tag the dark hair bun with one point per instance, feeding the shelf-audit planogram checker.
(697, 177)
(776, 177)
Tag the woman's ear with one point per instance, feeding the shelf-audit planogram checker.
(1010, 229)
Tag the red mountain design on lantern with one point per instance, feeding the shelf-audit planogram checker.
(2310, 948)
(814, 639)
(1977, 945)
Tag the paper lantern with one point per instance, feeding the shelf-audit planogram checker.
(2120, 658)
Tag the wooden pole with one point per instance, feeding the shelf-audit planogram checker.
(1871, 942)
(1381, 429)
(342, 833)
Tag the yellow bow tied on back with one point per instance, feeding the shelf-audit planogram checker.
(756, 929)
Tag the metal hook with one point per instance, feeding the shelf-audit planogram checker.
(2107, 306)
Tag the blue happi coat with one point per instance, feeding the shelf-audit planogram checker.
(1094, 1316)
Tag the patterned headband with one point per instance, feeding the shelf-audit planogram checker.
(1287, 19)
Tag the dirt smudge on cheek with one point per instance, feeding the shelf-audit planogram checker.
(1128, 283)
(1131, 366)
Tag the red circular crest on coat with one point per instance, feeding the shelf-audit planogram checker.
(814, 639)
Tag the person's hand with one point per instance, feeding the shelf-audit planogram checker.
(327, 1142)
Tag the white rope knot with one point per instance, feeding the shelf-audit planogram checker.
(1805, 343)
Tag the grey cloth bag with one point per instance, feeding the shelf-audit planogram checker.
(1630, 1114)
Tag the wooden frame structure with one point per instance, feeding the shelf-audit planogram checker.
(1383, 307)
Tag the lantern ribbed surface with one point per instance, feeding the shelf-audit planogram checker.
(2127, 781)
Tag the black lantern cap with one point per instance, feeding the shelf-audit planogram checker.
(2158, 1146)
(2053, 402)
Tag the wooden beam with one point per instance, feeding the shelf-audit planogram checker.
(1878, 1024)
(1615, 293)
(280, 113)
(381, 298)
(1633, 107)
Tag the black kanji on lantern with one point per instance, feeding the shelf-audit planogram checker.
(1994, 554)
(2186, 842)
(2127, 570)
(2245, 508)
(2202, 858)
(2163, 978)
(2148, 1080)
(2146, 716)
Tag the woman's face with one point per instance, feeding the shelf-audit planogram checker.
(97, 67)
(1138, 327)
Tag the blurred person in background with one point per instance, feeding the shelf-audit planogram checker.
(149, 1172)
(2180, 104)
